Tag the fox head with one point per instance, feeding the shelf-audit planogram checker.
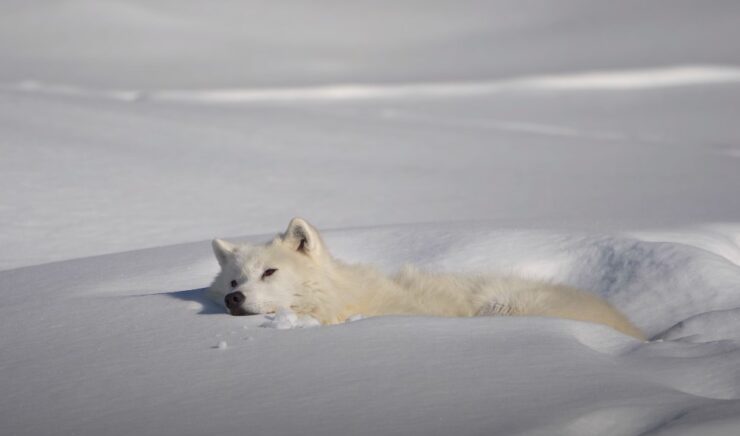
(279, 274)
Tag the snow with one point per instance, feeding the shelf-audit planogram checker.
(591, 143)
(128, 337)
(684, 75)
(285, 319)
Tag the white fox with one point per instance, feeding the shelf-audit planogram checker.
(295, 271)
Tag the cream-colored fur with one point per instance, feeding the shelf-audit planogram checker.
(308, 280)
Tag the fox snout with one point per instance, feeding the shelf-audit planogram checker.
(234, 303)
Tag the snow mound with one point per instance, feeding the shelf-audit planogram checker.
(116, 336)
(706, 327)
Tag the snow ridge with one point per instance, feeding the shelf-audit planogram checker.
(615, 80)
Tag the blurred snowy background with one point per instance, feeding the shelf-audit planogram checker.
(132, 124)
(590, 142)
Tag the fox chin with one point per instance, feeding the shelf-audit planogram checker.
(296, 271)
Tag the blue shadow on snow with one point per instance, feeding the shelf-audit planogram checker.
(208, 306)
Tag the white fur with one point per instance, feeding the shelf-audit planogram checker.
(311, 282)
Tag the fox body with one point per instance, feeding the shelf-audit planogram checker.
(295, 271)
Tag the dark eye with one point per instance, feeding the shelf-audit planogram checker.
(268, 272)
(234, 283)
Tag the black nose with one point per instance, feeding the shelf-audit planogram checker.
(234, 300)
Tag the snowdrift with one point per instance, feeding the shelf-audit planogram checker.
(128, 343)
(588, 142)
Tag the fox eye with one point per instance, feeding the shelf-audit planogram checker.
(268, 272)
(234, 283)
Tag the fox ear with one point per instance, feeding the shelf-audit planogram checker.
(303, 237)
(222, 250)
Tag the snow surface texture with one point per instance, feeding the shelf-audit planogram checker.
(593, 143)
(131, 347)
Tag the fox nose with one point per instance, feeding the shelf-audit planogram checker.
(234, 300)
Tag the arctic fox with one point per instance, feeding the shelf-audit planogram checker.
(295, 271)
